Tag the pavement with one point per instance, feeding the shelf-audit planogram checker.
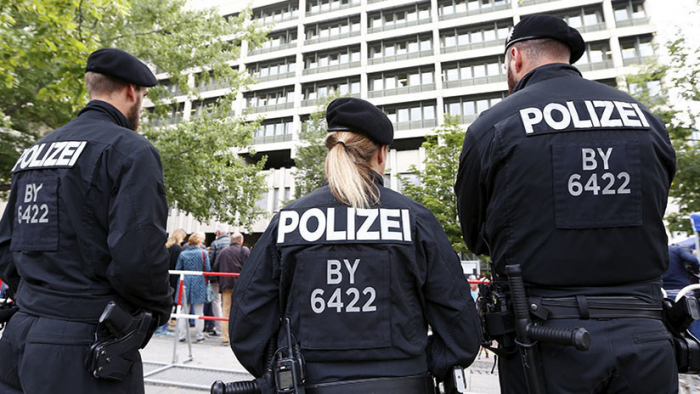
(197, 366)
(213, 361)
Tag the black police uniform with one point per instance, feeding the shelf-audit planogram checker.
(569, 178)
(84, 226)
(360, 287)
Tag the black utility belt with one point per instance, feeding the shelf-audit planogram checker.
(594, 307)
(417, 384)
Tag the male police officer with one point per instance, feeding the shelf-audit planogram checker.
(84, 226)
(569, 179)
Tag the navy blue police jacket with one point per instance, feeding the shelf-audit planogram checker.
(85, 222)
(360, 287)
(568, 178)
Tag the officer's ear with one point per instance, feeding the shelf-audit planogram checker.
(382, 154)
(133, 92)
(515, 58)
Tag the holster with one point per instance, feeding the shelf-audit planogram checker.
(111, 358)
(677, 317)
(7, 310)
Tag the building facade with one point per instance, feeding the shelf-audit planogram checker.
(416, 60)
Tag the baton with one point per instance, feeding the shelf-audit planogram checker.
(528, 334)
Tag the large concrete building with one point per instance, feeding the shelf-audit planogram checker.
(416, 60)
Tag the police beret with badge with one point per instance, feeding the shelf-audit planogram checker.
(545, 26)
(122, 65)
(359, 116)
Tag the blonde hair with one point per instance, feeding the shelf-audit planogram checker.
(176, 237)
(195, 239)
(348, 170)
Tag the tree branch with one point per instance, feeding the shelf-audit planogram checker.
(145, 33)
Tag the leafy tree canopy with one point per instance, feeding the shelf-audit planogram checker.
(672, 91)
(434, 188)
(45, 44)
(310, 157)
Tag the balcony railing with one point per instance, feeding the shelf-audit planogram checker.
(259, 51)
(475, 81)
(589, 28)
(213, 85)
(333, 7)
(468, 47)
(417, 124)
(464, 119)
(405, 56)
(402, 90)
(331, 38)
(532, 2)
(273, 107)
(639, 60)
(274, 77)
(632, 22)
(320, 100)
(595, 66)
(272, 139)
(398, 25)
(335, 67)
(476, 11)
(166, 121)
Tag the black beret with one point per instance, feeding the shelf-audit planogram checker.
(545, 26)
(359, 116)
(122, 65)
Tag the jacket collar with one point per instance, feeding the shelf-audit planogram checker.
(106, 110)
(548, 71)
(376, 178)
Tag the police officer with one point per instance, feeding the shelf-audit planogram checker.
(569, 179)
(360, 271)
(84, 226)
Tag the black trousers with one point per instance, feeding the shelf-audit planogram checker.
(43, 355)
(627, 355)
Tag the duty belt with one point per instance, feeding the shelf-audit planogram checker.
(418, 384)
(594, 307)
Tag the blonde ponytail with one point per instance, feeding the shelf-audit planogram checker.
(348, 170)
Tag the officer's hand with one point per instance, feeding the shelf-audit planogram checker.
(267, 384)
(449, 386)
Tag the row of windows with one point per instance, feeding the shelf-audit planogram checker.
(399, 17)
(454, 8)
(401, 46)
(284, 98)
(275, 130)
(342, 56)
(454, 39)
(597, 55)
(320, 6)
(278, 40)
(404, 116)
(624, 11)
(400, 79)
(471, 36)
(321, 89)
(334, 29)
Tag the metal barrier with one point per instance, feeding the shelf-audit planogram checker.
(180, 315)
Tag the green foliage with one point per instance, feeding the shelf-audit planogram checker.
(682, 79)
(45, 45)
(310, 158)
(435, 186)
(205, 176)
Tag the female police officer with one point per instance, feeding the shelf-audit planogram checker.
(360, 271)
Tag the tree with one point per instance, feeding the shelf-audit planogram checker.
(434, 188)
(310, 158)
(669, 91)
(45, 44)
